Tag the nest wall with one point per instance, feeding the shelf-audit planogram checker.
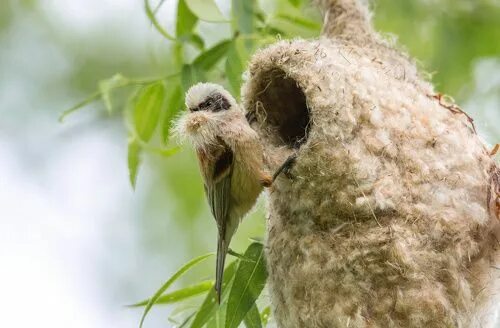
(384, 219)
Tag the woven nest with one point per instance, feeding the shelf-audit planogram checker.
(387, 218)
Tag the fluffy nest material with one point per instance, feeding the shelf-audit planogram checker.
(389, 217)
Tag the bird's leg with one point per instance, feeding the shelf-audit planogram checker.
(286, 167)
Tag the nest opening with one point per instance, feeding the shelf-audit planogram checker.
(284, 106)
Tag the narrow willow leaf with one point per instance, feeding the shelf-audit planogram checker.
(248, 283)
(174, 103)
(209, 306)
(164, 287)
(195, 40)
(289, 26)
(147, 109)
(108, 85)
(186, 321)
(207, 60)
(295, 3)
(303, 22)
(134, 160)
(151, 15)
(180, 294)
(206, 10)
(190, 74)
(234, 68)
(93, 97)
(186, 20)
(244, 14)
(252, 319)
(265, 314)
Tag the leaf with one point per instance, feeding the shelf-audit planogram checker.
(206, 10)
(301, 21)
(252, 319)
(93, 97)
(147, 109)
(195, 40)
(151, 15)
(108, 85)
(244, 14)
(265, 314)
(209, 305)
(247, 286)
(234, 68)
(174, 102)
(190, 74)
(169, 282)
(181, 294)
(133, 160)
(186, 20)
(206, 60)
(295, 3)
(294, 25)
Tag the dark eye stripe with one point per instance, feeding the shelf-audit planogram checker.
(214, 103)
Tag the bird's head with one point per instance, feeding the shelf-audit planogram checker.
(208, 107)
(209, 97)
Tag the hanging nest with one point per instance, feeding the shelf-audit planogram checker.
(385, 218)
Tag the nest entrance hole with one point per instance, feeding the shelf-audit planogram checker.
(285, 108)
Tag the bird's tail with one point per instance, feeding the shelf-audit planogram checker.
(222, 247)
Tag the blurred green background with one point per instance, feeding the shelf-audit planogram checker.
(76, 242)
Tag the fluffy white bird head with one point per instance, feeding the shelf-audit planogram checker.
(208, 106)
(209, 97)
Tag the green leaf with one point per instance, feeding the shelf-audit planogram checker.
(195, 40)
(295, 3)
(190, 74)
(108, 85)
(294, 25)
(134, 160)
(93, 97)
(147, 109)
(234, 68)
(265, 315)
(247, 286)
(206, 60)
(174, 102)
(209, 305)
(301, 21)
(206, 10)
(181, 294)
(244, 14)
(252, 319)
(186, 20)
(151, 15)
(169, 282)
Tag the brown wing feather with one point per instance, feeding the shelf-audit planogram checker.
(217, 167)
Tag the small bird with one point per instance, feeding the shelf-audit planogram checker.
(231, 160)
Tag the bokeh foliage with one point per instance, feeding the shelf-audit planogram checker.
(446, 35)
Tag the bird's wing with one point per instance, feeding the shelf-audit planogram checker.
(217, 168)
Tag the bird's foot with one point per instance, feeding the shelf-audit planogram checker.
(286, 167)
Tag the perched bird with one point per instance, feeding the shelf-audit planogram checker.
(230, 157)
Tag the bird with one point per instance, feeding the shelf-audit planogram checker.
(230, 158)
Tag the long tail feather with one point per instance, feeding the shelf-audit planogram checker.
(222, 248)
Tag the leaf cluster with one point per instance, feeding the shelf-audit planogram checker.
(244, 280)
(154, 102)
